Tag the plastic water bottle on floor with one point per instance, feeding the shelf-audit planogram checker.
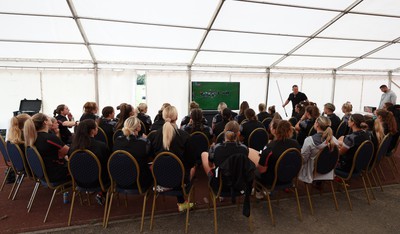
(65, 198)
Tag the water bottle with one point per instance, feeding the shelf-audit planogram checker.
(65, 197)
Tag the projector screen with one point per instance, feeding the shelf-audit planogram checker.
(209, 94)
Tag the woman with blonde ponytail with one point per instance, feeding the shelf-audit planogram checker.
(51, 148)
(15, 132)
(170, 138)
(313, 145)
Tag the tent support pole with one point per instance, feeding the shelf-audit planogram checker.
(333, 85)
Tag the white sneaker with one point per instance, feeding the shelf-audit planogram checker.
(259, 195)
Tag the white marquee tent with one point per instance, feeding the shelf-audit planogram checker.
(73, 51)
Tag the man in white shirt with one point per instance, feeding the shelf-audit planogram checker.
(387, 96)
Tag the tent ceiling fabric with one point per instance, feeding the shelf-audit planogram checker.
(331, 34)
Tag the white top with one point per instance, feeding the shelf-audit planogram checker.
(389, 96)
(311, 147)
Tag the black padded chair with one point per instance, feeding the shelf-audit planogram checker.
(151, 133)
(168, 172)
(342, 129)
(143, 129)
(117, 133)
(124, 174)
(198, 143)
(361, 161)
(293, 121)
(222, 185)
(38, 169)
(258, 139)
(220, 138)
(85, 170)
(101, 136)
(376, 160)
(7, 162)
(390, 155)
(266, 122)
(21, 168)
(286, 172)
(324, 163)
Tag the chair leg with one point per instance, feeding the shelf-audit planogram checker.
(106, 208)
(383, 175)
(5, 178)
(298, 204)
(88, 198)
(370, 186)
(126, 200)
(365, 189)
(309, 198)
(51, 202)
(347, 193)
(107, 216)
(80, 198)
(334, 195)
(379, 179)
(72, 208)
(188, 210)
(214, 200)
(152, 210)
(373, 178)
(12, 188)
(270, 209)
(143, 211)
(394, 163)
(19, 184)
(32, 196)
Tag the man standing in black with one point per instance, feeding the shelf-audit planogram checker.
(296, 97)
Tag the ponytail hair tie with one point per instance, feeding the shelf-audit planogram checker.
(168, 120)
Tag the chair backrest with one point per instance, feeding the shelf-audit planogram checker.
(362, 157)
(342, 129)
(326, 160)
(117, 133)
(294, 136)
(266, 122)
(151, 133)
(258, 139)
(17, 158)
(36, 164)
(143, 128)
(382, 151)
(85, 170)
(312, 131)
(293, 121)
(220, 138)
(101, 136)
(168, 170)
(3, 150)
(394, 144)
(287, 166)
(124, 170)
(198, 143)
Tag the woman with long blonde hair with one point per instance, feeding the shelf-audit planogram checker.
(170, 138)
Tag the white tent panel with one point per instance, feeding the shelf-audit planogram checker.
(253, 88)
(116, 88)
(109, 53)
(318, 88)
(171, 87)
(180, 12)
(72, 88)
(337, 47)
(48, 7)
(16, 85)
(272, 19)
(375, 64)
(141, 35)
(348, 88)
(392, 51)
(235, 59)
(364, 27)
(39, 29)
(249, 42)
(328, 4)
(211, 76)
(51, 65)
(43, 51)
(389, 7)
(312, 62)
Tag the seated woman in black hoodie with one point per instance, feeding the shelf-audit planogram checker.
(137, 146)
